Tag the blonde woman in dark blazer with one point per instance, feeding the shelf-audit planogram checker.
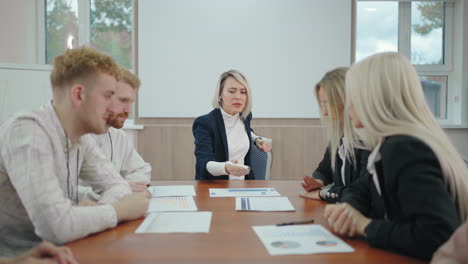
(416, 194)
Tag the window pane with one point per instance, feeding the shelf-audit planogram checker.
(61, 27)
(111, 29)
(376, 28)
(435, 90)
(427, 32)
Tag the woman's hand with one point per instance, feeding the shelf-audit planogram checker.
(262, 145)
(232, 168)
(345, 220)
(310, 184)
(311, 195)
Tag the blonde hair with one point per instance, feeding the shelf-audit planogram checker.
(220, 86)
(130, 79)
(81, 64)
(386, 94)
(333, 84)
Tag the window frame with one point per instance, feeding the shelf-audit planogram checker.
(453, 93)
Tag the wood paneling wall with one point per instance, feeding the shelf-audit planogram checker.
(168, 145)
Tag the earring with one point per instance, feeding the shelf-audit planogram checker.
(220, 101)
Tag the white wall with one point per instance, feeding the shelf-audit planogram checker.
(23, 89)
(283, 47)
(18, 20)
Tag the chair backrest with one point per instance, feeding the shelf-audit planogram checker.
(261, 163)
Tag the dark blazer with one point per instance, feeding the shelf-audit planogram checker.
(352, 172)
(415, 214)
(211, 144)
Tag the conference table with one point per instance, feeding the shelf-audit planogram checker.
(231, 238)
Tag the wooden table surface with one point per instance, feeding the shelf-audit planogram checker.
(231, 238)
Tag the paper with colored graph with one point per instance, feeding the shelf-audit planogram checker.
(300, 240)
(172, 204)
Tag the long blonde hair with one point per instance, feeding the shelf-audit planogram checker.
(386, 94)
(333, 84)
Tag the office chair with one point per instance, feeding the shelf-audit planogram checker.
(261, 163)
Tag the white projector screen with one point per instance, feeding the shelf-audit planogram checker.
(282, 46)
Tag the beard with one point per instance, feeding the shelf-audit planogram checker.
(114, 120)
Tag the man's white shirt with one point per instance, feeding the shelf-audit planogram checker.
(119, 149)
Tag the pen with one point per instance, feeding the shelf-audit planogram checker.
(296, 222)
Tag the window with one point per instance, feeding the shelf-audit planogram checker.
(106, 25)
(61, 27)
(421, 30)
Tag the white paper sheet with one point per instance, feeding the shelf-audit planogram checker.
(300, 240)
(263, 204)
(172, 204)
(242, 192)
(178, 222)
(172, 190)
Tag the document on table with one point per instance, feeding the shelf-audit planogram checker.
(242, 192)
(300, 240)
(172, 190)
(176, 222)
(172, 204)
(263, 204)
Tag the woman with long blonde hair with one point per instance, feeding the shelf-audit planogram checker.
(417, 191)
(339, 166)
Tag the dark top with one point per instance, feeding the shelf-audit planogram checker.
(211, 144)
(352, 172)
(415, 214)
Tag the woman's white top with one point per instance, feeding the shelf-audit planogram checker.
(238, 145)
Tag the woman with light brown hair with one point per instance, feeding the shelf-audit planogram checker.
(339, 167)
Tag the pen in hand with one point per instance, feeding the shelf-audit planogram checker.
(296, 222)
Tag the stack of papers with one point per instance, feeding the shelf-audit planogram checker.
(242, 192)
(263, 204)
(180, 222)
(299, 240)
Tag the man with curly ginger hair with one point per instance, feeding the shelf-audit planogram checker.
(43, 152)
(116, 145)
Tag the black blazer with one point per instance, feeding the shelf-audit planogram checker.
(415, 214)
(211, 144)
(352, 172)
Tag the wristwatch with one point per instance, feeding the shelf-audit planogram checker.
(324, 192)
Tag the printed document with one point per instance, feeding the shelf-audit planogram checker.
(242, 192)
(263, 204)
(300, 240)
(178, 222)
(172, 190)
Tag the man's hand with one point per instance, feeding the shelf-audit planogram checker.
(140, 187)
(44, 253)
(131, 207)
(87, 203)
